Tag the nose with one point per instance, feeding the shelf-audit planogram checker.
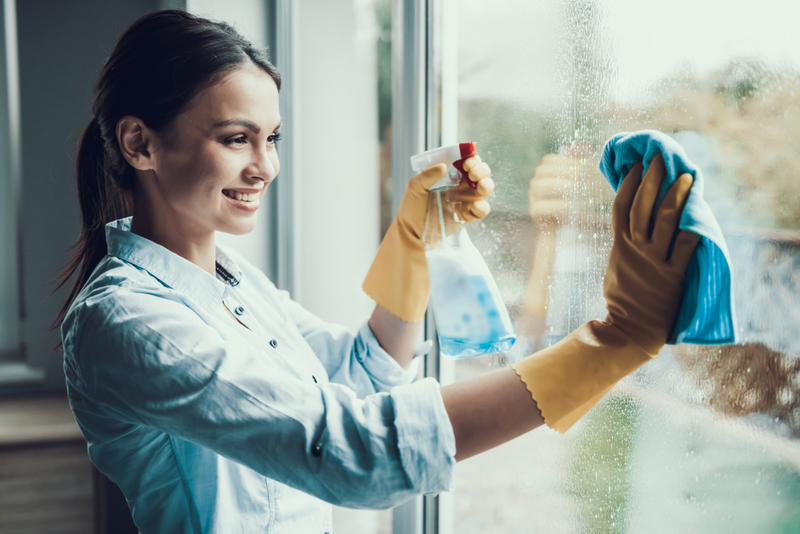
(265, 164)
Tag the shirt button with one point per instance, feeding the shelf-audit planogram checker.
(273, 343)
(316, 450)
(239, 310)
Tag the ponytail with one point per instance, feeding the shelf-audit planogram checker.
(102, 200)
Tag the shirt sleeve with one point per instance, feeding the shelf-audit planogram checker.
(152, 361)
(355, 360)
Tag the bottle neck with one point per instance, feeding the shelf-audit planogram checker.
(442, 219)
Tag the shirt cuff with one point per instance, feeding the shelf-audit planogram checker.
(381, 367)
(425, 436)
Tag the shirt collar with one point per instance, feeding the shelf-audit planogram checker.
(172, 270)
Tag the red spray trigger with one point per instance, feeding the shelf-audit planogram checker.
(467, 151)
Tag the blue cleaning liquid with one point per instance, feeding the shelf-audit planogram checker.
(459, 349)
(470, 317)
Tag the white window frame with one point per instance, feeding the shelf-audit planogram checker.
(283, 227)
(424, 116)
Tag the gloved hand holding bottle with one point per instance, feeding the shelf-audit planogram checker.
(398, 277)
(471, 318)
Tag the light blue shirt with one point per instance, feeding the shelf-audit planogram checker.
(208, 426)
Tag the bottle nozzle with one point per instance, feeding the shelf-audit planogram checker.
(453, 156)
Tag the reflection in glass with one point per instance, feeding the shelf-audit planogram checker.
(703, 438)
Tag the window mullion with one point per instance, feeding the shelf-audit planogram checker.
(284, 227)
(423, 117)
(409, 137)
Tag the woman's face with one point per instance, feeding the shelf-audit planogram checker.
(213, 166)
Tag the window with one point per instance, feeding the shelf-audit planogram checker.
(702, 438)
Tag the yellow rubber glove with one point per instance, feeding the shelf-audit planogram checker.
(643, 287)
(398, 277)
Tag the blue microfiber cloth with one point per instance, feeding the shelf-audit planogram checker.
(706, 316)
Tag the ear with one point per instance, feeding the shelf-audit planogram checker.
(136, 142)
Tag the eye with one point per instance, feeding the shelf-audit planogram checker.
(237, 141)
(274, 138)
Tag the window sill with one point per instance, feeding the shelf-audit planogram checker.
(20, 374)
(37, 421)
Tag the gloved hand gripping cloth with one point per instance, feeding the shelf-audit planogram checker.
(706, 316)
(643, 288)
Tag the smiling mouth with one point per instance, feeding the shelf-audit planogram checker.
(244, 197)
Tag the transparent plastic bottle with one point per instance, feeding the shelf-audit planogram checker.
(471, 318)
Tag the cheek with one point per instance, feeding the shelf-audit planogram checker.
(199, 183)
(276, 164)
(210, 175)
(197, 190)
(198, 179)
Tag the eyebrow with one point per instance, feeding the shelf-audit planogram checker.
(239, 122)
(247, 124)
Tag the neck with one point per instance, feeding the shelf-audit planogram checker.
(166, 228)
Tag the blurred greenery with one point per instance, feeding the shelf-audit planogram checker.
(383, 16)
(750, 110)
(741, 80)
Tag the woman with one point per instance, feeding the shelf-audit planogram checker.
(219, 405)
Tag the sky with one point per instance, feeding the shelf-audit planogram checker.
(514, 49)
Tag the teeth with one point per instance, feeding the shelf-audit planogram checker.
(241, 196)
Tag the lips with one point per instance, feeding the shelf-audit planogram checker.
(243, 200)
(236, 195)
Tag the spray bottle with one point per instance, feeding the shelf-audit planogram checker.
(471, 318)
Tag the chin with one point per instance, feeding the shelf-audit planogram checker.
(240, 228)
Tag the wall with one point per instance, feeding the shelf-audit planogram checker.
(62, 46)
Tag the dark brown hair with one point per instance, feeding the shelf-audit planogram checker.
(158, 65)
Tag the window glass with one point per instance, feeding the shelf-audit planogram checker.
(383, 42)
(703, 438)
